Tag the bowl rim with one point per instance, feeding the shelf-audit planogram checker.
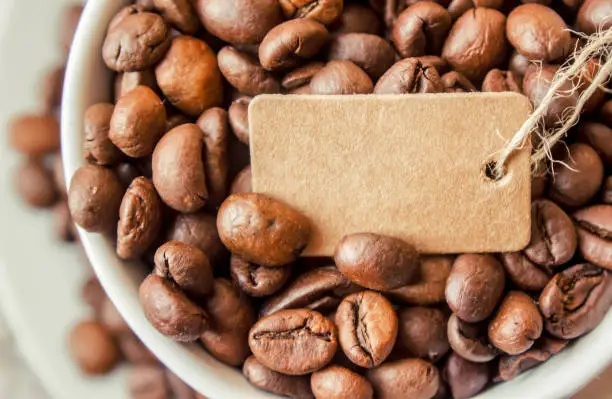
(565, 374)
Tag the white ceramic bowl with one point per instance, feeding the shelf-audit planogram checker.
(88, 81)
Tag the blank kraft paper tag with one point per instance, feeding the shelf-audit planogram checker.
(409, 166)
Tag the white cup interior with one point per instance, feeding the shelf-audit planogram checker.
(89, 81)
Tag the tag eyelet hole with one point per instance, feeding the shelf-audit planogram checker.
(488, 171)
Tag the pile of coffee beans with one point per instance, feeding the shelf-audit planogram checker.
(168, 180)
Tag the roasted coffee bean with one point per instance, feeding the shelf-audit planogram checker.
(539, 186)
(64, 227)
(242, 182)
(301, 76)
(434, 61)
(179, 13)
(294, 342)
(138, 122)
(341, 77)
(576, 186)
(35, 135)
(94, 198)
(239, 118)
(239, 21)
(576, 300)
(244, 72)
(189, 77)
(134, 351)
(289, 43)
(370, 52)
(70, 20)
(128, 81)
(475, 286)
(124, 13)
(315, 289)
(408, 378)
(292, 386)
(538, 32)
(429, 288)
(516, 325)
(186, 266)
(98, 146)
(323, 11)
(126, 172)
(605, 113)
(422, 333)
(467, 52)
(409, 76)
(335, 382)
(553, 236)
(200, 230)
(421, 29)
(232, 316)
(35, 185)
(584, 79)
(357, 18)
(256, 280)
(606, 191)
(518, 64)
(464, 378)
(598, 136)
(136, 43)
(498, 81)
(367, 328)
(93, 349)
(111, 319)
(170, 311)
(457, 8)
(93, 294)
(593, 16)
(454, 82)
(594, 227)
(175, 120)
(52, 87)
(262, 230)
(524, 273)
(215, 126)
(377, 262)
(178, 169)
(542, 350)
(148, 382)
(469, 340)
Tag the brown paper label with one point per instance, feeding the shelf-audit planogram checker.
(409, 166)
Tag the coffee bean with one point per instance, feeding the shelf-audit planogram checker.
(125, 12)
(314, 289)
(148, 382)
(408, 378)
(598, 136)
(134, 351)
(239, 21)
(516, 325)
(518, 64)
(256, 280)
(301, 76)
(292, 386)
(429, 288)
(498, 81)
(244, 72)
(242, 182)
(64, 227)
(606, 191)
(542, 350)
(593, 16)
(323, 11)
(52, 86)
(35, 135)
(470, 340)
(232, 316)
(289, 43)
(457, 8)
(422, 333)
(170, 311)
(98, 147)
(576, 300)
(111, 319)
(474, 286)
(524, 273)
(538, 32)
(93, 294)
(136, 43)
(539, 186)
(357, 18)
(464, 49)
(341, 77)
(262, 230)
(421, 29)
(178, 387)
(367, 328)
(465, 378)
(128, 81)
(239, 118)
(178, 169)
(92, 348)
(175, 120)
(340, 383)
(189, 77)
(94, 198)
(409, 76)
(370, 52)
(454, 82)
(594, 226)
(377, 262)
(576, 186)
(605, 113)
(214, 124)
(294, 342)
(35, 185)
(584, 79)
(179, 13)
